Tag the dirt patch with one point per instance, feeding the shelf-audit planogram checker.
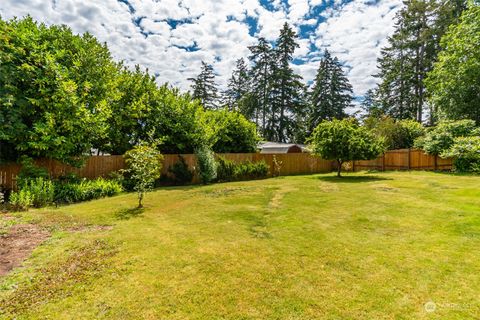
(278, 196)
(18, 243)
(59, 278)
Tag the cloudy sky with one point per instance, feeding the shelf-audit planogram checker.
(172, 37)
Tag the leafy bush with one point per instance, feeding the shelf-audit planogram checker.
(229, 171)
(30, 171)
(21, 200)
(180, 171)
(397, 134)
(232, 132)
(225, 169)
(251, 170)
(41, 190)
(206, 164)
(442, 137)
(86, 190)
(466, 154)
(144, 166)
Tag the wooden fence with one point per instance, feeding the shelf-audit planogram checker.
(291, 164)
(404, 159)
(102, 166)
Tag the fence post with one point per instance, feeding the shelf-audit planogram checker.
(383, 162)
(353, 166)
(435, 163)
(409, 165)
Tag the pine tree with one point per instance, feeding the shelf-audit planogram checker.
(410, 54)
(286, 87)
(370, 105)
(204, 87)
(238, 87)
(331, 93)
(261, 77)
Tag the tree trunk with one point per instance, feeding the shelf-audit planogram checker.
(339, 168)
(140, 198)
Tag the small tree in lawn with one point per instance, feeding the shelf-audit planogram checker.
(344, 140)
(144, 165)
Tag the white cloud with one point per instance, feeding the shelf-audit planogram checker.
(141, 32)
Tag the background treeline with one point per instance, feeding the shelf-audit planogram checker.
(267, 91)
(428, 71)
(62, 96)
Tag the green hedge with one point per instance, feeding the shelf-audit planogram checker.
(229, 171)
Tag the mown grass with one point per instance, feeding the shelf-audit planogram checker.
(368, 246)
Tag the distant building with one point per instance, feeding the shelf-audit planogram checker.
(277, 147)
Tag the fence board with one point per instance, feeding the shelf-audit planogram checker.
(292, 163)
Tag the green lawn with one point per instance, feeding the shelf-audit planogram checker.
(368, 246)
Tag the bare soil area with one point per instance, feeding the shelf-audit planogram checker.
(18, 243)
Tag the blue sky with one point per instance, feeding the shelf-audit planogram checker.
(172, 37)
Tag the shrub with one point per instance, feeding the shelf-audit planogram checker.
(397, 134)
(466, 154)
(225, 170)
(181, 174)
(21, 200)
(229, 171)
(30, 171)
(442, 137)
(206, 164)
(232, 132)
(41, 190)
(144, 166)
(86, 190)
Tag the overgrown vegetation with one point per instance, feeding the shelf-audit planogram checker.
(230, 171)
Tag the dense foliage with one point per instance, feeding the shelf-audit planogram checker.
(84, 190)
(410, 54)
(207, 166)
(233, 133)
(454, 83)
(63, 96)
(442, 137)
(465, 152)
(144, 167)
(55, 90)
(344, 140)
(230, 171)
(397, 134)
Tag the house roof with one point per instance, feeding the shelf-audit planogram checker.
(278, 147)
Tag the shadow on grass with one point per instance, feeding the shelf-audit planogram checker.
(352, 179)
(127, 214)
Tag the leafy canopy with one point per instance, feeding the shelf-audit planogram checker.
(441, 138)
(344, 140)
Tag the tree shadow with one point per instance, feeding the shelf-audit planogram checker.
(127, 214)
(352, 179)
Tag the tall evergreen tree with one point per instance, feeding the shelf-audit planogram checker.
(238, 86)
(331, 93)
(261, 79)
(410, 54)
(204, 87)
(286, 87)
